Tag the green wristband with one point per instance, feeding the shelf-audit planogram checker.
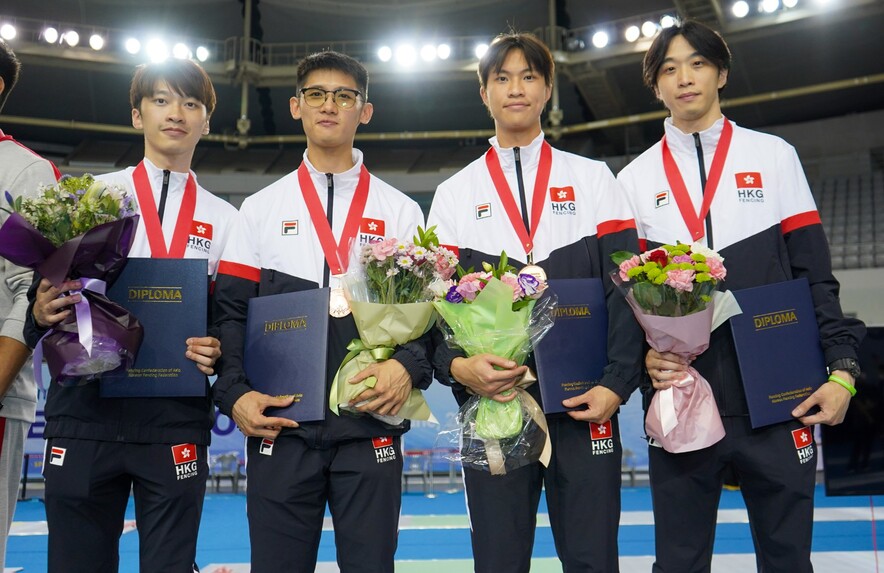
(844, 383)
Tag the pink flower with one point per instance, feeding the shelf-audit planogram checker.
(383, 249)
(680, 280)
(628, 264)
(470, 285)
(716, 268)
(512, 281)
(682, 259)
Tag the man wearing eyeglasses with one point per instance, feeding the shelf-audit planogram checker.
(354, 464)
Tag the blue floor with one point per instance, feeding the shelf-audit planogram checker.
(224, 534)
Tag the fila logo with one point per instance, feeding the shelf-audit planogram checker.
(602, 439)
(56, 456)
(184, 456)
(266, 447)
(202, 230)
(803, 440)
(290, 227)
(661, 199)
(562, 200)
(483, 211)
(749, 187)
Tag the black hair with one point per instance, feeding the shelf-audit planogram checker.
(184, 77)
(536, 54)
(330, 60)
(10, 67)
(706, 41)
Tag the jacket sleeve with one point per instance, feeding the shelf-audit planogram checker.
(617, 232)
(236, 281)
(809, 257)
(229, 307)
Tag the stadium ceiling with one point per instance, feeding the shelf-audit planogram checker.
(802, 60)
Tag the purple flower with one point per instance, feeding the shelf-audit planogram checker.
(529, 284)
(682, 259)
(453, 295)
(8, 198)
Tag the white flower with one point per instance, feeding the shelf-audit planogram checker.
(440, 287)
(705, 251)
(405, 262)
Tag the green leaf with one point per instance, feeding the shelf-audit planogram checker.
(620, 256)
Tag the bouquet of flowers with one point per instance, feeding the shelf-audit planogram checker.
(498, 311)
(390, 294)
(672, 292)
(78, 228)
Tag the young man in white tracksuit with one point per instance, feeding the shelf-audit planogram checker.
(353, 464)
(565, 214)
(744, 194)
(109, 446)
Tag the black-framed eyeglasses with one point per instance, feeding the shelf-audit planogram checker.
(344, 98)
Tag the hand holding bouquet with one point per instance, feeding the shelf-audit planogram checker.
(78, 228)
(498, 311)
(390, 295)
(670, 290)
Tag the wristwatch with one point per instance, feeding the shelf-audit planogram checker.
(849, 365)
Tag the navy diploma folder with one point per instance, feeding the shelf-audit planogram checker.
(778, 348)
(286, 350)
(573, 354)
(170, 299)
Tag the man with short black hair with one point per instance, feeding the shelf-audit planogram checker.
(763, 241)
(353, 464)
(518, 183)
(114, 445)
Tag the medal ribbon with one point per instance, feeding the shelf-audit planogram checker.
(526, 236)
(151, 218)
(336, 254)
(693, 221)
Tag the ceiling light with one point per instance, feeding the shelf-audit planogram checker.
(50, 35)
(385, 54)
(649, 29)
(405, 55)
(632, 33)
(96, 42)
(667, 21)
(770, 6)
(133, 46)
(443, 51)
(428, 52)
(202, 53)
(600, 39)
(790, 3)
(7, 31)
(740, 9)
(481, 49)
(180, 51)
(157, 50)
(72, 38)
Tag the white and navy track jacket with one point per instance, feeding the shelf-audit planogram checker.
(584, 220)
(79, 411)
(763, 222)
(274, 249)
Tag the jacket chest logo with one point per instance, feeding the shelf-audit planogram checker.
(749, 187)
(562, 200)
